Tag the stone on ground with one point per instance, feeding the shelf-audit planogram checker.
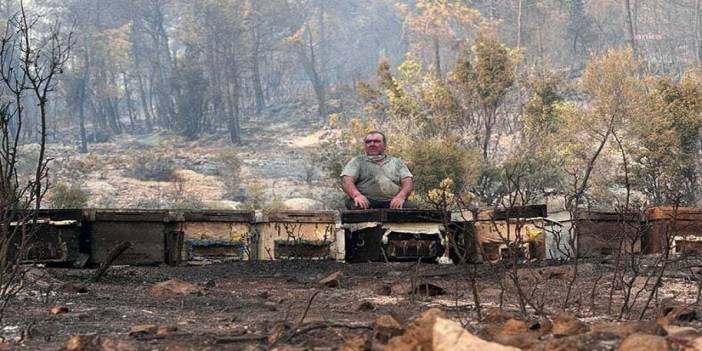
(450, 336)
(174, 287)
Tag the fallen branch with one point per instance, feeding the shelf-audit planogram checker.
(118, 250)
(324, 325)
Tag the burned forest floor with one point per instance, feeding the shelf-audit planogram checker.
(317, 305)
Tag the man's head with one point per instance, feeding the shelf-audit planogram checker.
(374, 143)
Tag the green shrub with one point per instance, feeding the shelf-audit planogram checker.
(68, 196)
(434, 160)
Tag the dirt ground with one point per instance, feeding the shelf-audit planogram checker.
(246, 305)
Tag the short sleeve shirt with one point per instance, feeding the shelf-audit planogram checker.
(377, 181)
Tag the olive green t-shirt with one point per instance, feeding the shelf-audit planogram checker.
(377, 181)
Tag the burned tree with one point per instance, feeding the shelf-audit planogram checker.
(30, 61)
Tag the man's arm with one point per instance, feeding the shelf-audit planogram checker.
(406, 185)
(348, 183)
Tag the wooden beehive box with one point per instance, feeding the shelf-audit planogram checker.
(298, 235)
(219, 232)
(56, 238)
(152, 234)
(680, 228)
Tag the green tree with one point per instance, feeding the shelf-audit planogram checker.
(486, 81)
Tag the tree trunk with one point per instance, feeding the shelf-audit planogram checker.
(81, 104)
(144, 103)
(81, 111)
(698, 35)
(437, 58)
(233, 96)
(258, 87)
(130, 106)
(519, 23)
(630, 26)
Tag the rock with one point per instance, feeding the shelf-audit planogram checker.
(428, 289)
(519, 333)
(303, 204)
(539, 327)
(174, 287)
(332, 281)
(418, 334)
(583, 342)
(681, 336)
(142, 330)
(59, 310)
(97, 343)
(696, 344)
(623, 330)
(354, 343)
(566, 325)
(166, 330)
(641, 342)
(385, 327)
(513, 327)
(496, 315)
(681, 314)
(448, 335)
(83, 343)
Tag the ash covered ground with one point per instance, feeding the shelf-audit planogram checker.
(288, 305)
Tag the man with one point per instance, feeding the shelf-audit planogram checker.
(376, 180)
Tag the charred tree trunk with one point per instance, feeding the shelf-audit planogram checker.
(81, 104)
(258, 87)
(630, 26)
(437, 58)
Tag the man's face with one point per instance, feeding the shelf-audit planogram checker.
(374, 145)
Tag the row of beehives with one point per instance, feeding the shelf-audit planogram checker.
(87, 237)
(590, 233)
(83, 237)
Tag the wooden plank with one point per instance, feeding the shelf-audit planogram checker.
(530, 211)
(239, 216)
(147, 238)
(666, 213)
(393, 216)
(174, 247)
(361, 216)
(301, 216)
(131, 215)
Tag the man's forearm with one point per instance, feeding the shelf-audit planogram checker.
(406, 186)
(347, 183)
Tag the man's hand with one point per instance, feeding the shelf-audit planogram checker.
(398, 201)
(361, 201)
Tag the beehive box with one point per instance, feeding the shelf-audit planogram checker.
(515, 231)
(219, 233)
(600, 233)
(394, 234)
(56, 238)
(496, 236)
(298, 235)
(153, 235)
(680, 230)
